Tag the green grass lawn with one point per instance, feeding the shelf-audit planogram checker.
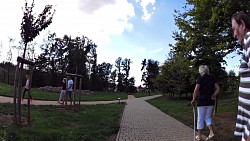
(224, 121)
(7, 90)
(138, 95)
(54, 123)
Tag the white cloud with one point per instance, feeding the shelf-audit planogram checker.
(105, 19)
(90, 6)
(158, 50)
(99, 20)
(148, 8)
(141, 50)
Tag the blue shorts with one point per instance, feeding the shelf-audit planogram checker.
(204, 116)
(69, 93)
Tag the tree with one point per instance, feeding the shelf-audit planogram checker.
(92, 61)
(30, 27)
(104, 72)
(120, 76)
(205, 35)
(112, 80)
(176, 76)
(50, 61)
(81, 54)
(131, 85)
(126, 67)
(8, 63)
(150, 70)
(61, 55)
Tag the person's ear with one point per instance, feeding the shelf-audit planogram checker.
(243, 25)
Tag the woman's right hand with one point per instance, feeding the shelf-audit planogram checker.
(192, 102)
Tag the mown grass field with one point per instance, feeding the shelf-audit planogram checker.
(8, 90)
(54, 123)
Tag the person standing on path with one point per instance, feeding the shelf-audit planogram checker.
(206, 90)
(70, 88)
(63, 91)
(26, 87)
(241, 30)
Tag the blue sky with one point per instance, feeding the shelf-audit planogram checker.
(133, 29)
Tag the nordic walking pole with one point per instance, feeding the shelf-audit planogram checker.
(194, 120)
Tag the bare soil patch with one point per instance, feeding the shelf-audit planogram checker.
(224, 125)
(8, 119)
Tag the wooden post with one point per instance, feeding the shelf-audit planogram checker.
(75, 84)
(30, 80)
(66, 96)
(18, 87)
(74, 93)
(15, 91)
(80, 92)
(19, 95)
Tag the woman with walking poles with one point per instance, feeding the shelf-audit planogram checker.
(205, 92)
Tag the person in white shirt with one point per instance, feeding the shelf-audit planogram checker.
(70, 88)
(26, 87)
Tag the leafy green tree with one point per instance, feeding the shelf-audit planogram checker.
(112, 80)
(80, 56)
(232, 83)
(150, 71)
(144, 73)
(9, 60)
(126, 68)
(92, 60)
(49, 62)
(30, 27)
(7, 71)
(131, 85)
(205, 35)
(175, 76)
(104, 72)
(118, 65)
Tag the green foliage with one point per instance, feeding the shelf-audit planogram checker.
(61, 55)
(7, 71)
(150, 69)
(54, 123)
(205, 37)
(124, 83)
(103, 73)
(177, 76)
(30, 27)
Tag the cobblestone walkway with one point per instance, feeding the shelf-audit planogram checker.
(143, 122)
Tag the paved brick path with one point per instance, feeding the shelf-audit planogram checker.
(143, 122)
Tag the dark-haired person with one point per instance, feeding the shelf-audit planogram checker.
(241, 30)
